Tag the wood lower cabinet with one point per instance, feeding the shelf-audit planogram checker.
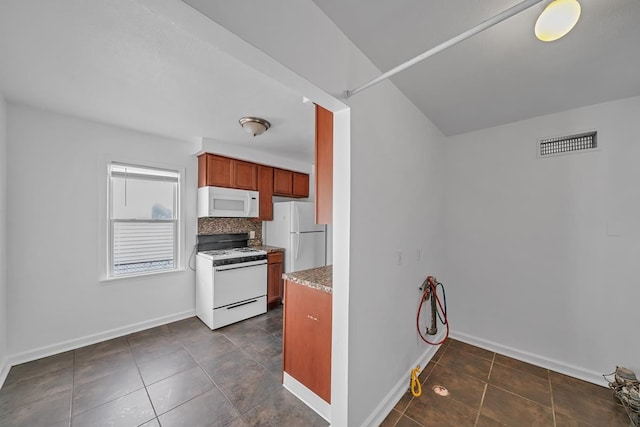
(275, 268)
(265, 187)
(307, 337)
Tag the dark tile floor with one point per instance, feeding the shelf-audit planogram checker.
(181, 374)
(488, 389)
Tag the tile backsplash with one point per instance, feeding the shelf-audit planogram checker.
(232, 225)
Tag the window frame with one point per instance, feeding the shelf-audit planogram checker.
(178, 233)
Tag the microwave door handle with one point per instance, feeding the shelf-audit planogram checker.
(247, 208)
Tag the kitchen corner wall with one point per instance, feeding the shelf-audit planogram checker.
(542, 253)
(232, 225)
(55, 200)
(3, 239)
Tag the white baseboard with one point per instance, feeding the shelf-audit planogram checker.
(393, 397)
(534, 359)
(309, 398)
(4, 370)
(39, 353)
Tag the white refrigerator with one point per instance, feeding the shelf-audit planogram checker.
(294, 229)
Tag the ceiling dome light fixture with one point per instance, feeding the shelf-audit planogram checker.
(557, 19)
(255, 125)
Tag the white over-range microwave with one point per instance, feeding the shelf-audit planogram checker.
(227, 202)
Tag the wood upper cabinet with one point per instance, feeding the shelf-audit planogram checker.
(265, 187)
(275, 268)
(324, 166)
(300, 184)
(220, 171)
(245, 175)
(215, 170)
(290, 184)
(282, 182)
(307, 337)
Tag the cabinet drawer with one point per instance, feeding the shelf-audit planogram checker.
(274, 257)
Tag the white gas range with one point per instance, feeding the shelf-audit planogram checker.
(231, 280)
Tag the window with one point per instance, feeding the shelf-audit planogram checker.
(143, 220)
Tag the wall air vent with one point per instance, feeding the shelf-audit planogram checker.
(567, 144)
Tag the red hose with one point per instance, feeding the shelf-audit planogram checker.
(431, 285)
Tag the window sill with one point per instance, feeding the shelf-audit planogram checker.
(142, 275)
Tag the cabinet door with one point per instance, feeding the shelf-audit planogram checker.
(324, 166)
(300, 184)
(274, 278)
(245, 175)
(307, 338)
(219, 171)
(265, 187)
(282, 182)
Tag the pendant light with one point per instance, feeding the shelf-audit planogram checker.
(254, 125)
(557, 19)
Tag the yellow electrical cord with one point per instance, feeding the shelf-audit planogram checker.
(416, 387)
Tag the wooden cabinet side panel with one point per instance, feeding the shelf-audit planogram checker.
(282, 182)
(274, 282)
(245, 175)
(265, 188)
(307, 338)
(324, 166)
(202, 170)
(219, 171)
(300, 184)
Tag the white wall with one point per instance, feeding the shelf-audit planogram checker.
(57, 167)
(3, 240)
(387, 197)
(542, 254)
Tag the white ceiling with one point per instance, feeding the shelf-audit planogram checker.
(503, 74)
(121, 63)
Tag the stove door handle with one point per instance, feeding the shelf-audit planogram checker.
(241, 304)
(240, 265)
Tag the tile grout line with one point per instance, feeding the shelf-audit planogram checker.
(484, 392)
(144, 385)
(212, 380)
(553, 408)
(73, 385)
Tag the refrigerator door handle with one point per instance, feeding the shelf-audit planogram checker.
(297, 228)
(297, 243)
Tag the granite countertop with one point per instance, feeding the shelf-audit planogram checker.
(320, 278)
(268, 249)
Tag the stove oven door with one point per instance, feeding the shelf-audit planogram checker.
(239, 292)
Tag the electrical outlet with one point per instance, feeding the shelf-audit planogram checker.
(252, 234)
